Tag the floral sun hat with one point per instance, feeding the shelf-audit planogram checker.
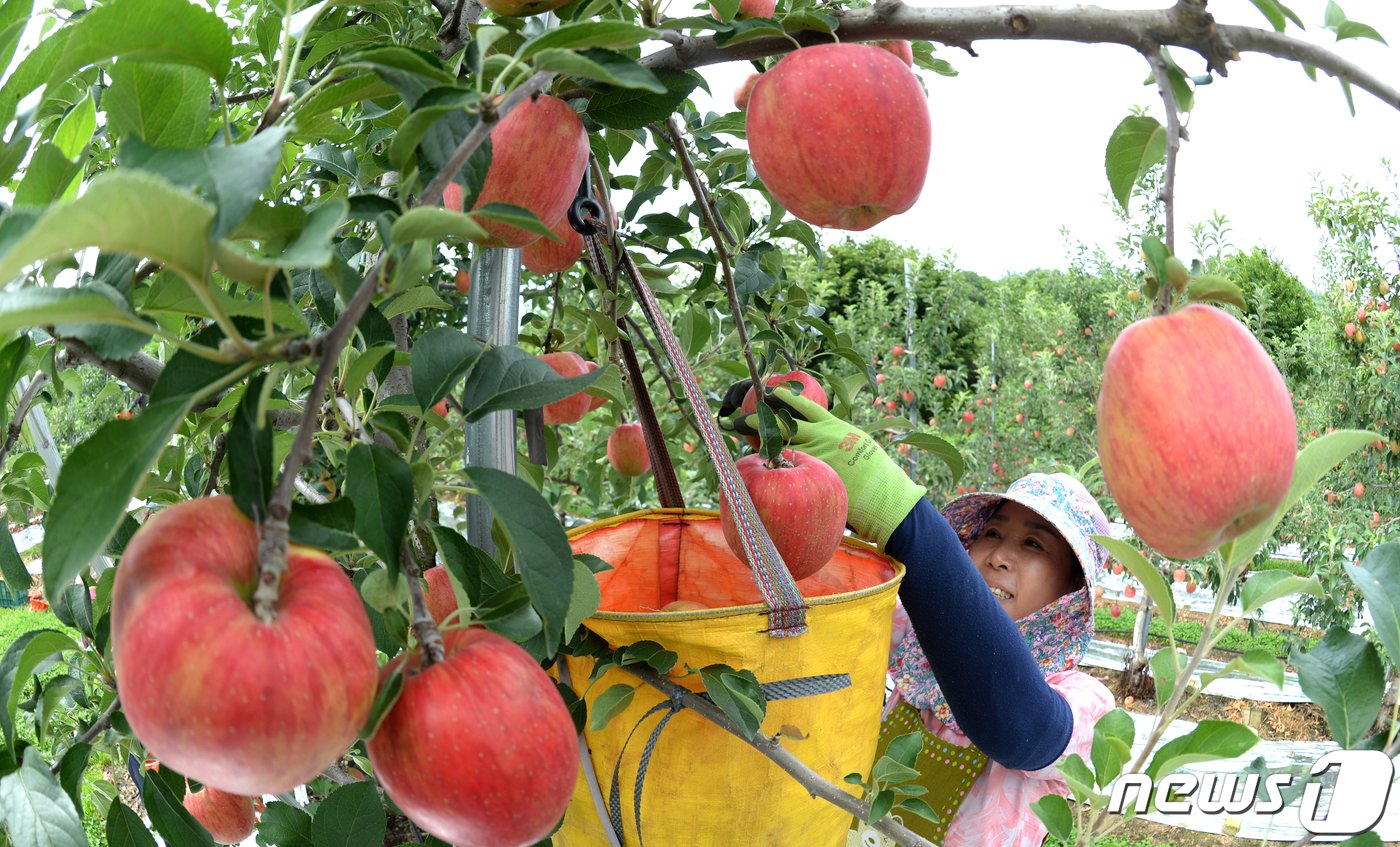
(1058, 635)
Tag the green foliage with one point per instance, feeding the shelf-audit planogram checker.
(1188, 633)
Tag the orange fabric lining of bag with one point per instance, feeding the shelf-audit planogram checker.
(694, 563)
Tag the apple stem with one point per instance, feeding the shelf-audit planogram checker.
(1153, 54)
(423, 627)
(672, 132)
(772, 748)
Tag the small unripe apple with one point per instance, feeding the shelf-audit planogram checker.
(627, 450)
(1134, 296)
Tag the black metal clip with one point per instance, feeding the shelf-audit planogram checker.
(585, 213)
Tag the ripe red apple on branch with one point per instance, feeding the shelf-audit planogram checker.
(572, 408)
(627, 450)
(538, 155)
(479, 749)
(544, 256)
(1196, 431)
(230, 818)
(442, 601)
(239, 704)
(840, 134)
(801, 503)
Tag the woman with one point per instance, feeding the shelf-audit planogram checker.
(997, 610)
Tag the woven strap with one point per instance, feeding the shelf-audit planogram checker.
(787, 614)
(784, 689)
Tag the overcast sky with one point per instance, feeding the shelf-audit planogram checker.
(1019, 136)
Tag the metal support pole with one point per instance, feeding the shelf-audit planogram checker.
(495, 316)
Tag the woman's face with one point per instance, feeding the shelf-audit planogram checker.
(1025, 562)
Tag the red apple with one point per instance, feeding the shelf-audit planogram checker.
(472, 738)
(572, 408)
(1115, 611)
(546, 256)
(464, 281)
(594, 402)
(452, 197)
(803, 507)
(1179, 575)
(1116, 567)
(538, 155)
(745, 90)
(889, 405)
(229, 818)
(1358, 490)
(751, 9)
(903, 50)
(969, 417)
(880, 379)
(522, 8)
(897, 350)
(811, 390)
(440, 407)
(627, 450)
(908, 396)
(246, 706)
(1196, 432)
(1129, 592)
(840, 135)
(1029, 383)
(1190, 586)
(940, 381)
(442, 601)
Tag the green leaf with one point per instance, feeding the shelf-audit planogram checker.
(1136, 145)
(1260, 663)
(1210, 740)
(440, 359)
(508, 612)
(169, 816)
(510, 378)
(19, 662)
(1053, 811)
(167, 105)
(881, 805)
(120, 211)
(1365, 839)
(1152, 580)
(126, 829)
(538, 543)
(609, 705)
(1078, 776)
(1378, 577)
(478, 574)
(22, 308)
(940, 448)
(726, 9)
(1270, 9)
(186, 375)
(1314, 461)
(905, 748)
(601, 65)
(739, 695)
(47, 177)
(920, 808)
(71, 768)
(1267, 586)
(36, 809)
(1165, 671)
(1344, 675)
(110, 341)
(415, 299)
(584, 601)
(1356, 29)
(17, 578)
(514, 216)
(380, 484)
(231, 177)
(282, 824)
(14, 15)
(12, 358)
(411, 72)
(1209, 287)
(585, 34)
(887, 771)
(344, 93)
(73, 608)
(433, 107)
(630, 108)
(1112, 746)
(436, 224)
(249, 452)
(1334, 16)
(100, 477)
(325, 526)
(352, 816)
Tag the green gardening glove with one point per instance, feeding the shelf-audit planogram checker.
(879, 493)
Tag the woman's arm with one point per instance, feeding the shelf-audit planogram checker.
(993, 685)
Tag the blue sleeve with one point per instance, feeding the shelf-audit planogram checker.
(993, 685)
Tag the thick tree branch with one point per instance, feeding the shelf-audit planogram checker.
(816, 784)
(424, 628)
(1185, 25)
(1168, 192)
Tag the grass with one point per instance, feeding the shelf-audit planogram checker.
(1189, 632)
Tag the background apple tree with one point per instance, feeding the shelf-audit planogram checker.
(238, 216)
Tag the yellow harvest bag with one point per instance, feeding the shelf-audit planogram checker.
(704, 787)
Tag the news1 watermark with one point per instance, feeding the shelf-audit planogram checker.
(1358, 800)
